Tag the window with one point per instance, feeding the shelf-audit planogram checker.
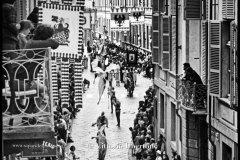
(214, 15)
(192, 9)
(162, 111)
(219, 54)
(173, 122)
(226, 152)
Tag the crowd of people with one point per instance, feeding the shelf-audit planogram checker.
(145, 146)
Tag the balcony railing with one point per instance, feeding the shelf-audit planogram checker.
(192, 96)
(27, 91)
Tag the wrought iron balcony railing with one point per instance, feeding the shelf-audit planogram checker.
(27, 89)
(191, 95)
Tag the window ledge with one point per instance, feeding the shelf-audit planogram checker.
(225, 101)
(173, 145)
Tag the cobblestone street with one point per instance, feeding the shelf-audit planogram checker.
(118, 138)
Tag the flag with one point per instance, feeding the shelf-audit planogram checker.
(94, 63)
(101, 87)
(112, 66)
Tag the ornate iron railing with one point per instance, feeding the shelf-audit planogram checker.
(191, 95)
(27, 88)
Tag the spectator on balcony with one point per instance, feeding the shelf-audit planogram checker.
(41, 39)
(25, 28)
(191, 75)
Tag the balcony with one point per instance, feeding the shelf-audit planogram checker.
(192, 96)
(27, 107)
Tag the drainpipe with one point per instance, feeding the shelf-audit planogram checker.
(210, 108)
(177, 113)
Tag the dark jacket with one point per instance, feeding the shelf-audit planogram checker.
(9, 29)
(192, 76)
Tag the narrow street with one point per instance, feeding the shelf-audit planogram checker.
(118, 138)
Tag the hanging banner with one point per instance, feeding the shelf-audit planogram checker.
(31, 147)
(137, 17)
(119, 22)
(67, 22)
(132, 58)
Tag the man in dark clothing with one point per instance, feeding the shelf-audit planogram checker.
(191, 75)
(112, 98)
(118, 111)
(101, 121)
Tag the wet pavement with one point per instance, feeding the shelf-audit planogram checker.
(118, 138)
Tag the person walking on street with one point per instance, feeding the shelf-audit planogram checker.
(112, 97)
(118, 111)
(101, 122)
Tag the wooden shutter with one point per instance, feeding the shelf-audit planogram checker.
(193, 9)
(166, 42)
(155, 38)
(173, 44)
(173, 7)
(155, 7)
(228, 9)
(214, 57)
(204, 43)
(233, 66)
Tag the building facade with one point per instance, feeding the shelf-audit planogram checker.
(197, 121)
(134, 30)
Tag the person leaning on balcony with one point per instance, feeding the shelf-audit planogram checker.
(25, 28)
(41, 39)
(191, 75)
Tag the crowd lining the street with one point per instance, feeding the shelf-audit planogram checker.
(145, 146)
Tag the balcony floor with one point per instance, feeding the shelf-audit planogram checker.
(19, 131)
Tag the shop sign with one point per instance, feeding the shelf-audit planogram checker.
(31, 147)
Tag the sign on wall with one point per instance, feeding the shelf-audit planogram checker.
(31, 147)
(67, 21)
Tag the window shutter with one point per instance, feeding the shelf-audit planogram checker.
(155, 6)
(193, 9)
(214, 57)
(173, 44)
(207, 14)
(173, 7)
(204, 46)
(166, 42)
(155, 38)
(228, 9)
(233, 66)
